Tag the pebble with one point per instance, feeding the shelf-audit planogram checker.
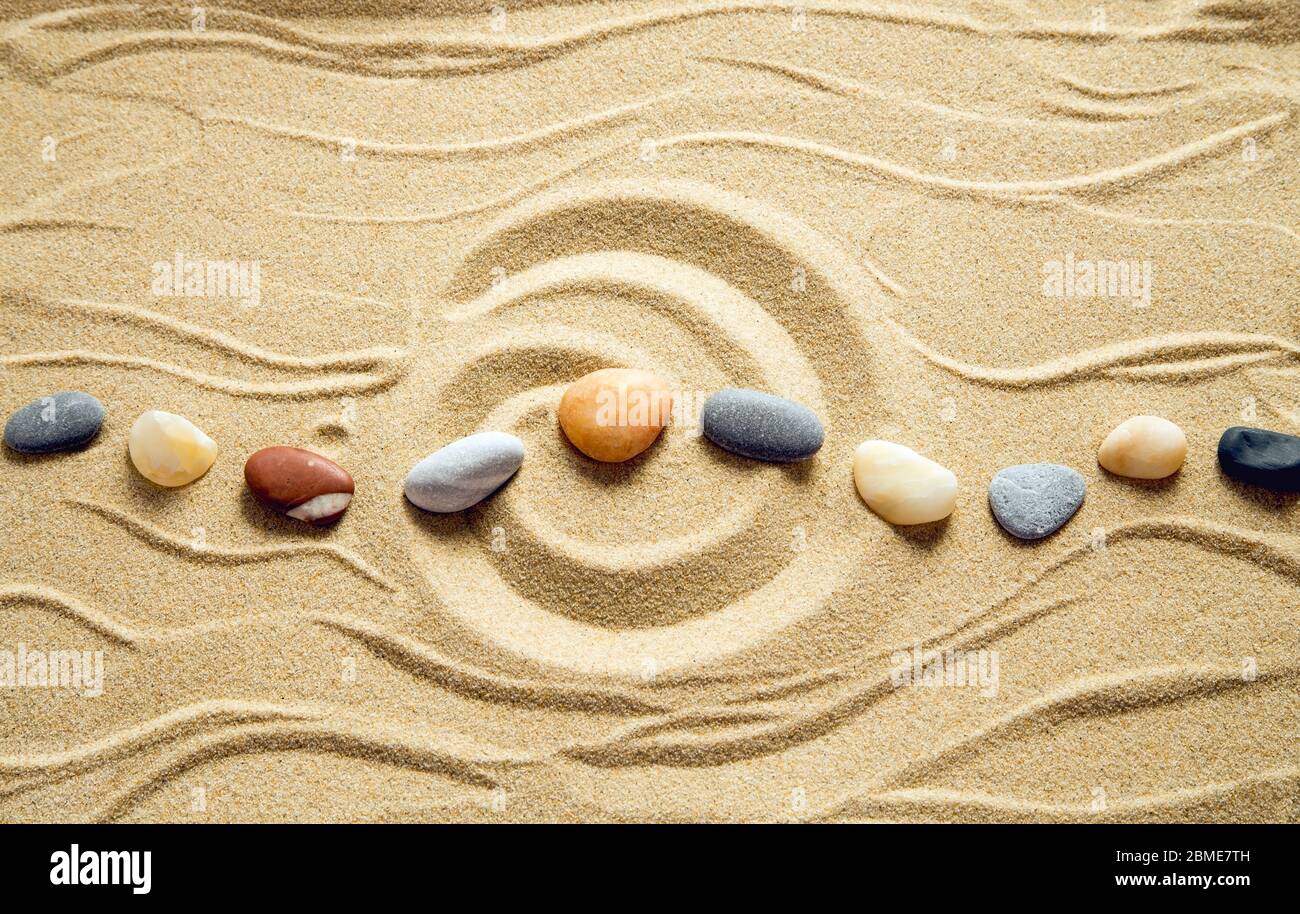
(303, 485)
(614, 414)
(761, 426)
(464, 472)
(169, 449)
(1260, 457)
(62, 422)
(1144, 447)
(902, 486)
(1032, 500)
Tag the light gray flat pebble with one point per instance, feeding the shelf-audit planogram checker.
(761, 426)
(1032, 500)
(464, 472)
(61, 422)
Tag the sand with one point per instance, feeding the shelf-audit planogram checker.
(860, 206)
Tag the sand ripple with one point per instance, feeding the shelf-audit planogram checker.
(232, 555)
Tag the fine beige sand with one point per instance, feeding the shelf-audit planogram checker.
(856, 205)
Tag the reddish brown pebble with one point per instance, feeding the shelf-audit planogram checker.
(303, 485)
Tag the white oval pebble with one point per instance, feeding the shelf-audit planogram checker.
(1144, 447)
(902, 486)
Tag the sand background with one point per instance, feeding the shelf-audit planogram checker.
(849, 204)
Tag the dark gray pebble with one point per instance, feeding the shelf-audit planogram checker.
(761, 426)
(61, 422)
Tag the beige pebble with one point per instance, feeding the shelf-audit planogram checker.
(169, 449)
(1144, 447)
(902, 486)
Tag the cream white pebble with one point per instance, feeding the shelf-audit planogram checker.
(902, 486)
(169, 449)
(1144, 447)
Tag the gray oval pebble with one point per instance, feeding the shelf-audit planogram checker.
(464, 472)
(62, 422)
(761, 426)
(1032, 500)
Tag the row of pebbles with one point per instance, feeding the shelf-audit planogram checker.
(614, 414)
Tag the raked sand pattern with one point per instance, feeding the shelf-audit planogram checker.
(878, 210)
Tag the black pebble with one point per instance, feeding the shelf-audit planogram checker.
(1261, 458)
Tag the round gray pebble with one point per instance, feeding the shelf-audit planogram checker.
(761, 426)
(1032, 500)
(64, 421)
(464, 472)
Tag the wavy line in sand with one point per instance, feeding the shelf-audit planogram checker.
(399, 651)
(1178, 355)
(214, 730)
(686, 201)
(1097, 696)
(1102, 103)
(1134, 219)
(1095, 182)
(688, 294)
(1280, 556)
(450, 215)
(979, 629)
(221, 341)
(634, 744)
(406, 56)
(1279, 390)
(448, 150)
(31, 214)
(1099, 113)
(179, 42)
(19, 770)
(342, 384)
(426, 663)
(390, 746)
(233, 555)
(850, 88)
(92, 619)
(1259, 797)
(514, 196)
(1119, 93)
